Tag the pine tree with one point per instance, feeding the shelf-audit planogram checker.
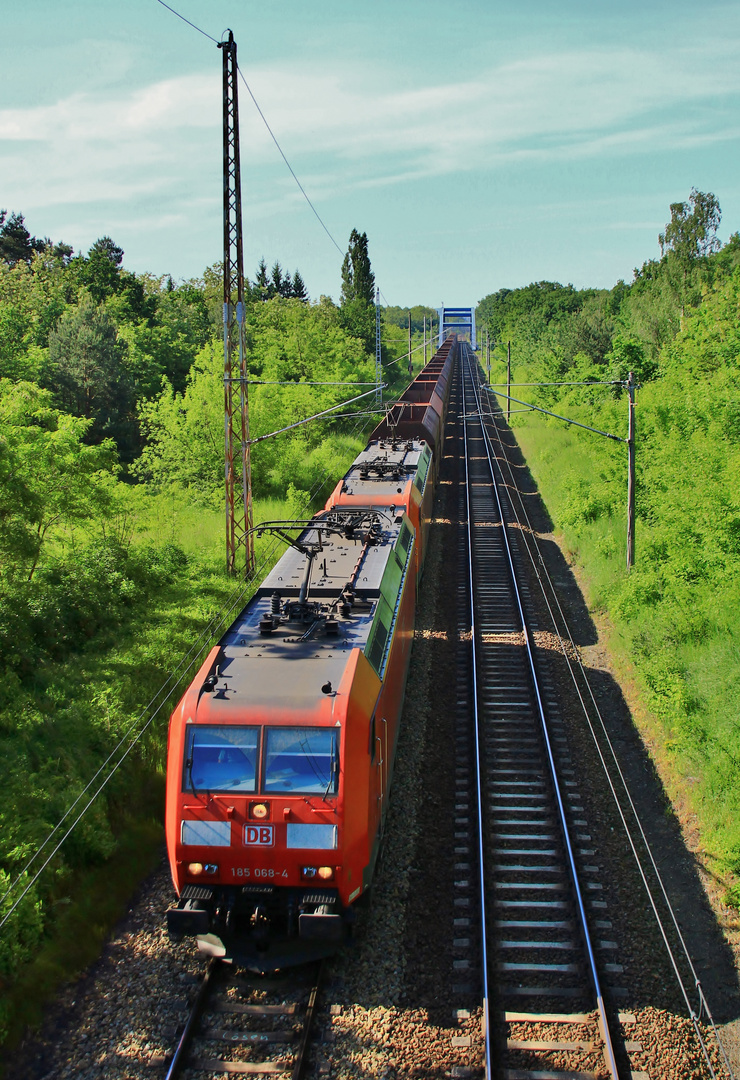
(299, 291)
(16, 242)
(262, 282)
(277, 282)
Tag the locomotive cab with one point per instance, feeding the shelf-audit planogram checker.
(276, 787)
(258, 876)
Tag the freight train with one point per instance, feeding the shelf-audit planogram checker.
(281, 750)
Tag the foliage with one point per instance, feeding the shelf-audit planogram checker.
(86, 367)
(99, 336)
(358, 280)
(289, 342)
(16, 242)
(692, 231)
(398, 316)
(278, 283)
(676, 611)
(84, 653)
(49, 478)
(358, 290)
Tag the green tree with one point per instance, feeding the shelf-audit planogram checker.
(49, 478)
(262, 283)
(277, 283)
(88, 372)
(280, 285)
(299, 291)
(692, 231)
(100, 271)
(16, 242)
(358, 280)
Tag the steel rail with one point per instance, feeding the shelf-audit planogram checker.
(179, 1058)
(604, 1025)
(478, 754)
(299, 1066)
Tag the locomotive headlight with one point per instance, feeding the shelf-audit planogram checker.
(326, 873)
(211, 868)
(308, 871)
(259, 810)
(195, 868)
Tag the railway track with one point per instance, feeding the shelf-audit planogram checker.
(266, 1023)
(545, 1013)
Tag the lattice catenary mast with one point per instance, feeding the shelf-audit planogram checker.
(238, 471)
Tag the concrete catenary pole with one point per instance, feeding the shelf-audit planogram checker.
(409, 343)
(631, 386)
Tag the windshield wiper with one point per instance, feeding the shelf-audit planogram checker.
(332, 768)
(189, 767)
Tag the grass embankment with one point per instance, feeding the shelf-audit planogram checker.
(62, 719)
(675, 618)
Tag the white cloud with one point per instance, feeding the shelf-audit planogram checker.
(189, 101)
(342, 133)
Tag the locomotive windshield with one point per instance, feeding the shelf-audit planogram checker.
(221, 759)
(301, 760)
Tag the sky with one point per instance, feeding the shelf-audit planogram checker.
(479, 144)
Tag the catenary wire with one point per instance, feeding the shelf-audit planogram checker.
(536, 408)
(265, 122)
(586, 382)
(290, 167)
(179, 16)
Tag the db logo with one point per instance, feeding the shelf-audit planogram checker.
(261, 835)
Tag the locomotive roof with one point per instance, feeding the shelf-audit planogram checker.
(262, 674)
(334, 566)
(384, 468)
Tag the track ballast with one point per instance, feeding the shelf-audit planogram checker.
(537, 912)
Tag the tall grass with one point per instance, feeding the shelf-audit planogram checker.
(679, 640)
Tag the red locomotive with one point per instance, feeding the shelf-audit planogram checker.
(281, 750)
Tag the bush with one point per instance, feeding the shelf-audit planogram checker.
(73, 597)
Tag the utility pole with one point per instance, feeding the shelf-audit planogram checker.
(631, 472)
(409, 342)
(488, 356)
(425, 341)
(237, 468)
(508, 381)
(378, 354)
